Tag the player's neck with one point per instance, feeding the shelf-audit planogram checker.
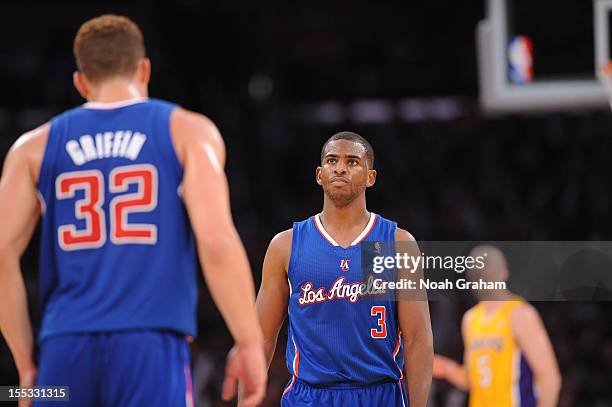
(345, 217)
(117, 91)
(501, 297)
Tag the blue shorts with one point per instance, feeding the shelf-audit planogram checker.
(387, 394)
(120, 368)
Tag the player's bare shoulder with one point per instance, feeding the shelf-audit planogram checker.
(29, 149)
(466, 320)
(405, 242)
(281, 243)
(279, 250)
(402, 235)
(468, 315)
(526, 317)
(191, 130)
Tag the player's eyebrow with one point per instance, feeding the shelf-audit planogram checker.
(340, 155)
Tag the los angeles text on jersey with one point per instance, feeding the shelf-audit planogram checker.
(338, 291)
(121, 143)
(427, 284)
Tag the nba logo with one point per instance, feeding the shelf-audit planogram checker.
(520, 59)
(377, 247)
(344, 265)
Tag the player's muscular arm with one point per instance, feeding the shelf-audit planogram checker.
(224, 262)
(20, 210)
(532, 339)
(206, 195)
(447, 369)
(274, 291)
(415, 325)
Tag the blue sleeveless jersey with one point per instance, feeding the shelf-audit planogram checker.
(117, 248)
(339, 335)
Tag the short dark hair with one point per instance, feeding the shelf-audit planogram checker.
(108, 46)
(354, 137)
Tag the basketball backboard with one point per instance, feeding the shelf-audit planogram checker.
(554, 77)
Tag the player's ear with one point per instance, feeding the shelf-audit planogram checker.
(144, 71)
(80, 83)
(318, 176)
(371, 178)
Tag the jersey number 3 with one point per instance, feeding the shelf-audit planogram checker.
(381, 330)
(89, 209)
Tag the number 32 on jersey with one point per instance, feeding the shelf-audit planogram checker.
(89, 208)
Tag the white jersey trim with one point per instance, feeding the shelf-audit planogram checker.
(41, 201)
(366, 230)
(113, 105)
(326, 235)
(358, 239)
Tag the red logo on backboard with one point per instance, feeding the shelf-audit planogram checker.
(344, 264)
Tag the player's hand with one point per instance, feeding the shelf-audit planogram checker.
(442, 366)
(27, 378)
(246, 367)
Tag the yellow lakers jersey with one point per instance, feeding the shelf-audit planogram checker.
(498, 373)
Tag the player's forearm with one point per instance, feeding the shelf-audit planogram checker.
(14, 318)
(271, 314)
(458, 377)
(227, 273)
(418, 358)
(269, 348)
(548, 388)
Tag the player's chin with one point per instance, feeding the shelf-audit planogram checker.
(341, 196)
(337, 192)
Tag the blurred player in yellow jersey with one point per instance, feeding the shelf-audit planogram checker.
(508, 357)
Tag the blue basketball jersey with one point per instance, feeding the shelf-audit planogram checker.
(117, 249)
(341, 333)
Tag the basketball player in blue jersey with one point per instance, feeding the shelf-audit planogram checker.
(343, 349)
(129, 189)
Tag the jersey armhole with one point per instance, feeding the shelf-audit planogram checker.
(468, 319)
(294, 249)
(173, 153)
(393, 231)
(511, 309)
(45, 183)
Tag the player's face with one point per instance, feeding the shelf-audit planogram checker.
(495, 270)
(344, 173)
